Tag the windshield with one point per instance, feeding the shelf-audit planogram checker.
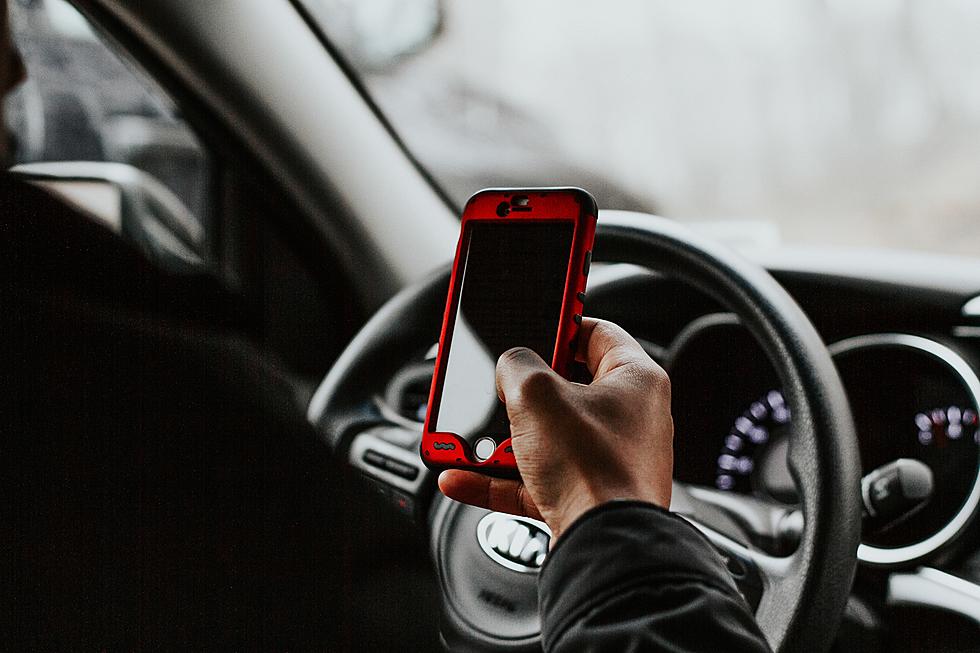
(811, 122)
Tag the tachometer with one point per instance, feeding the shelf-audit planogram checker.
(915, 398)
(942, 426)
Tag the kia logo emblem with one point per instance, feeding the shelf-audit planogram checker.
(518, 543)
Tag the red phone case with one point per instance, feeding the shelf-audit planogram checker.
(449, 450)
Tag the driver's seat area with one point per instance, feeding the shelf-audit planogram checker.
(159, 483)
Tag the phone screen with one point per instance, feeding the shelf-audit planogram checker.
(511, 280)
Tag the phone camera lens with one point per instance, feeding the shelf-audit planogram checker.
(503, 209)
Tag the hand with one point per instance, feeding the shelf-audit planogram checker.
(578, 446)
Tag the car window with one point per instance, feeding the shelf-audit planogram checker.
(829, 123)
(84, 101)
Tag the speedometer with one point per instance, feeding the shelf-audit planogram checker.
(752, 440)
(943, 426)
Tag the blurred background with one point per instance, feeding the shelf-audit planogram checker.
(816, 121)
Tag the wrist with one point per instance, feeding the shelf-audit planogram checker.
(568, 515)
(577, 505)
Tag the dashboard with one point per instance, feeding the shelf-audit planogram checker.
(905, 340)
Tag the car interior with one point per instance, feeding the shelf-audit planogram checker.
(220, 326)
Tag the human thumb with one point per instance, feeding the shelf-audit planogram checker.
(524, 378)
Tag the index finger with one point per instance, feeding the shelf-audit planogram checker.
(605, 346)
(501, 495)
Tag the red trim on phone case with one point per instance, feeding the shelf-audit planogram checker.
(449, 450)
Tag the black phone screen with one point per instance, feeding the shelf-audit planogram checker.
(511, 279)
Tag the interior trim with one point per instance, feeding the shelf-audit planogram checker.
(972, 307)
(355, 79)
(932, 588)
(247, 62)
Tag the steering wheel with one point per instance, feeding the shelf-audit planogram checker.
(488, 605)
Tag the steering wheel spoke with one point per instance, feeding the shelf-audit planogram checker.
(755, 538)
(755, 572)
(769, 526)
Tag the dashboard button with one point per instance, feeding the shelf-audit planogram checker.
(398, 468)
(404, 470)
(375, 459)
(581, 297)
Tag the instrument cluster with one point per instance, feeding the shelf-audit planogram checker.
(911, 398)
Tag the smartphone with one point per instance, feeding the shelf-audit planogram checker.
(518, 280)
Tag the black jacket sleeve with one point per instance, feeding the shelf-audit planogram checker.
(629, 576)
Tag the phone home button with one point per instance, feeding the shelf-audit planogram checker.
(484, 448)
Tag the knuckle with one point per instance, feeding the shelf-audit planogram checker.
(603, 328)
(617, 338)
(660, 378)
(520, 496)
(654, 377)
(539, 385)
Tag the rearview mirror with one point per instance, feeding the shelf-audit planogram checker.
(377, 34)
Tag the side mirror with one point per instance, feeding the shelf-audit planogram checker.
(130, 202)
